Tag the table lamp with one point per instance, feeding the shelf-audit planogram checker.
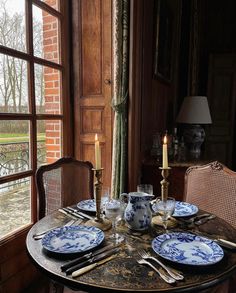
(194, 112)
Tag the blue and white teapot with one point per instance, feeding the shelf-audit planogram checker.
(138, 214)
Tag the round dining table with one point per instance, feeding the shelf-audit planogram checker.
(123, 273)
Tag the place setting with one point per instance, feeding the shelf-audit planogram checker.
(81, 247)
(178, 246)
(81, 242)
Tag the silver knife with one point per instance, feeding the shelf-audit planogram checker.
(92, 260)
(72, 213)
(86, 256)
(222, 242)
(226, 243)
(92, 266)
(80, 213)
(67, 214)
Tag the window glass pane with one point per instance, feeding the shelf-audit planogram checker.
(13, 85)
(14, 147)
(48, 141)
(45, 33)
(47, 90)
(12, 24)
(14, 205)
(52, 3)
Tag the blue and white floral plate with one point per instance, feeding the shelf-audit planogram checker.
(87, 205)
(72, 239)
(184, 209)
(186, 248)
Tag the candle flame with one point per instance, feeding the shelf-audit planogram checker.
(96, 137)
(165, 139)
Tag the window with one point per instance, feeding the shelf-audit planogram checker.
(33, 102)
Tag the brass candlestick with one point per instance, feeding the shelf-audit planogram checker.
(157, 220)
(164, 182)
(99, 222)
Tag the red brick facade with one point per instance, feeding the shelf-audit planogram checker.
(52, 84)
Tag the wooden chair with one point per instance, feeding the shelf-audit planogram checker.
(212, 187)
(62, 183)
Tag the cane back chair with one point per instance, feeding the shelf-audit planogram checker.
(212, 187)
(63, 183)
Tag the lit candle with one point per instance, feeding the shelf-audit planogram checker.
(164, 154)
(97, 153)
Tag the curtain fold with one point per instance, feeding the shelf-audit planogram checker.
(120, 34)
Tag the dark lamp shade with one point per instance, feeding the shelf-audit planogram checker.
(194, 110)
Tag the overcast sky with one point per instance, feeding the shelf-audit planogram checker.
(19, 6)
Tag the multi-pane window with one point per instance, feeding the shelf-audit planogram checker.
(33, 74)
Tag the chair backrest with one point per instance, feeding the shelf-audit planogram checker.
(212, 187)
(63, 183)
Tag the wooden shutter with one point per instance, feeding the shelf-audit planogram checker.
(92, 80)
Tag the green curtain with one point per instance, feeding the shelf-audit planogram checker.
(120, 94)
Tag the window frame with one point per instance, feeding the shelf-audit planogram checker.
(66, 115)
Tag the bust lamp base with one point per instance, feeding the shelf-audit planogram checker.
(194, 136)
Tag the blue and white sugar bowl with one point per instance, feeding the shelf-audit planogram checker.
(138, 215)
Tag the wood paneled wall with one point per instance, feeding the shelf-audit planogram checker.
(158, 96)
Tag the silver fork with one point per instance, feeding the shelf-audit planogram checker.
(194, 218)
(161, 273)
(204, 220)
(172, 272)
(40, 235)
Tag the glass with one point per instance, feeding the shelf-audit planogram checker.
(15, 202)
(113, 211)
(165, 208)
(13, 85)
(147, 188)
(48, 141)
(12, 24)
(45, 33)
(105, 196)
(14, 146)
(124, 202)
(47, 90)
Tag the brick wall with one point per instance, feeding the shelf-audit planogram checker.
(52, 84)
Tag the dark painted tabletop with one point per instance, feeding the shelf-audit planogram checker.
(123, 273)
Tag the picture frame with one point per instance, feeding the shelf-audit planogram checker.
(163, 30)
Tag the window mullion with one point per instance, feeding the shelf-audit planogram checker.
(32, 104)
(31, 85)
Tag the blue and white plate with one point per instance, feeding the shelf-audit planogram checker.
(184, 209)
(87, 205)
(186, 248)
(72, 239)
